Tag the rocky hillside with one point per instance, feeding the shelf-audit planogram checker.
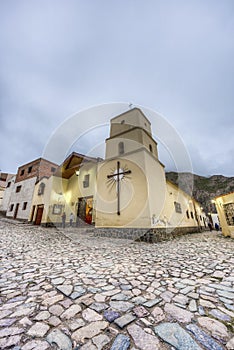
(203, 189)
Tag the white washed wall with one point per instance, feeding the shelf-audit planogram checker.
(25, 195)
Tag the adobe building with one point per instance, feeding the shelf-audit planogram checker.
(128, 189)
(5, 182)
(22, 190)
(71, 189)
(225, 208)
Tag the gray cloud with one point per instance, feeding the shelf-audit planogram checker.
(176, 57)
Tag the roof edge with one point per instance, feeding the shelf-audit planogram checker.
(128, 111)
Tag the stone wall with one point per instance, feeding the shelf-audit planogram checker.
(126, 233)
(145, 235)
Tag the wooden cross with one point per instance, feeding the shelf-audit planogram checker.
(118, 174)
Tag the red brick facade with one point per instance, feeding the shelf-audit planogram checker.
(37, 168)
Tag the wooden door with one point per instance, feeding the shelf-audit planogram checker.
(39, 215)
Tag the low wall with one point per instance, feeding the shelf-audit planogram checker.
(126, 233)
(152, 235)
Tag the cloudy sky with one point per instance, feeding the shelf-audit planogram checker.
(175, 57)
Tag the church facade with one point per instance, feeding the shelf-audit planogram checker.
(127, 189)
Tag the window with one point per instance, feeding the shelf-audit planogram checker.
(18, 189)
(41, 189)
(25, 205)
(30, 169)
(53, 169)
(11, 207)
(121, 148)
(86, 181)
(191, 213)
(150, 148)
(9, 183)
(187, 213)
(57, 209)
(22, 172)
(177, 207)
(122, 121)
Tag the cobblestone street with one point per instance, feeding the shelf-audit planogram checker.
(69, 290)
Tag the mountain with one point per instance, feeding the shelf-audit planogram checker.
(203, 189)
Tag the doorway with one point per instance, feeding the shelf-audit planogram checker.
(85, 209)
(33, 211)
(16, 211)
(39, 214)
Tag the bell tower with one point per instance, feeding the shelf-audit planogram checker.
(131, 182)
(130, 132)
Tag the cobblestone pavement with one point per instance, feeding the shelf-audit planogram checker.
(92, 293)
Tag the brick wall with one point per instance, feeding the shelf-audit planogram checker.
(46, 168)
(37, 168)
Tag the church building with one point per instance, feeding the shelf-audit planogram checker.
(127, 189)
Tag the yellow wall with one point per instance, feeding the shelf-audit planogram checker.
(91, 169)
(156, 181)
(58, 197)
(42, 199)
(64, 192)
(135, 133)
(149, 141)
(131, 119)
(134, 206)
(227, 230)
(134, 140)
(53, 194)
(146, 199)
(171, 218)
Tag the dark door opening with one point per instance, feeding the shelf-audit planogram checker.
(33, 211)
(39, 214)
(85, 209)
(16, 210)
